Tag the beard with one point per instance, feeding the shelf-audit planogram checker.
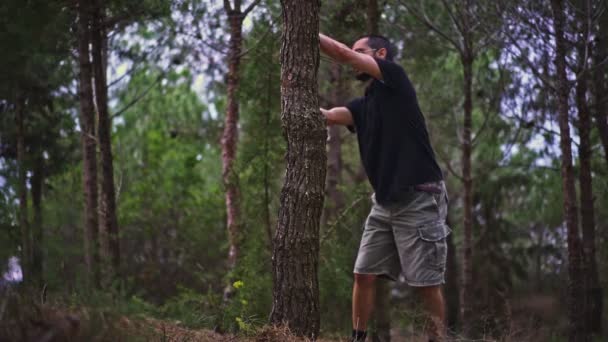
(363, 77)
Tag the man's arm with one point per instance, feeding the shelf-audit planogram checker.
(344, 55)
(338, 116)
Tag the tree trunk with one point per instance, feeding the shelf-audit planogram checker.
(108, 225)
(466, 288)
(230, 141)
(599, 82)
(37, 181)
(451, 282)
(593, 310)
(26, 238)
(268, 113)
(334, 151)
(373, 16)
(382, 312)
(575, 290)
(89, 157)
(296, 242)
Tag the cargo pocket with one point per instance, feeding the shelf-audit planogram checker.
(434, 243)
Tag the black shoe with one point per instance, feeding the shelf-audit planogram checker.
(358, 336)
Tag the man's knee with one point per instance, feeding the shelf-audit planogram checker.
(365, 280)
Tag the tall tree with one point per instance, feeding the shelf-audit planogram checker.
(37, 181)
(296, 241)
(373, 16)
(593, 298)
(89, 144)
(108, 224)
(575, 281)
(465, 17)
(230, 136)
(26, 240)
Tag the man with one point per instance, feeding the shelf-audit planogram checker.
(405, 232)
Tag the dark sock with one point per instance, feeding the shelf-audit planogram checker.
(359, 335)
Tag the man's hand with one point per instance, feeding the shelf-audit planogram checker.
(337, 116)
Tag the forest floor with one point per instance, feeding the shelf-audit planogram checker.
(58, 324)
(24, 318)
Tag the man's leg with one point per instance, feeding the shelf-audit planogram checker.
(364, 292)
(434, 305)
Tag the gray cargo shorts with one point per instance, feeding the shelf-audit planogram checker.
(408, 238)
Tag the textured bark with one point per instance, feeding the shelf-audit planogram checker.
(230, 136)
(89, 157)
(26, 253)
(466, 288)
(575, 281)
(108, 224)
(373, 16)
(37, 234)
(296, 241)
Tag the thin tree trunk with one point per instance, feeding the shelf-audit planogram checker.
(108, 224)
(334, 151)
(37, 181)
(382, 312)
(26, 239)
(575, 290)
(296, 242)
(451, 282)
(466, 288)
(269, 95)
(589, 267)
(600, 53)
(373, 15)
(230, 140)
(592, 308)
(89, 157)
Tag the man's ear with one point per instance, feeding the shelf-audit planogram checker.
(381, 52)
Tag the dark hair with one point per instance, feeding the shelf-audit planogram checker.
(376, 41)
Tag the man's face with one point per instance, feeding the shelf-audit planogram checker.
(361, 46)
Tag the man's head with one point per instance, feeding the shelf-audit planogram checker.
(376, 46)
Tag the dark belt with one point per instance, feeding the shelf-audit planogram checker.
(429, 187)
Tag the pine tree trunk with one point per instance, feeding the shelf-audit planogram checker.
(230, 141)
(466, 288)
(593, 310)
(373, 15)
(108, 224)
(89, 156)
(296, 242)
(575, 281)
(26, 239)
(589, 268)
(37, 181)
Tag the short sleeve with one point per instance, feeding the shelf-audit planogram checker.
(393, 74)
(356, 110)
